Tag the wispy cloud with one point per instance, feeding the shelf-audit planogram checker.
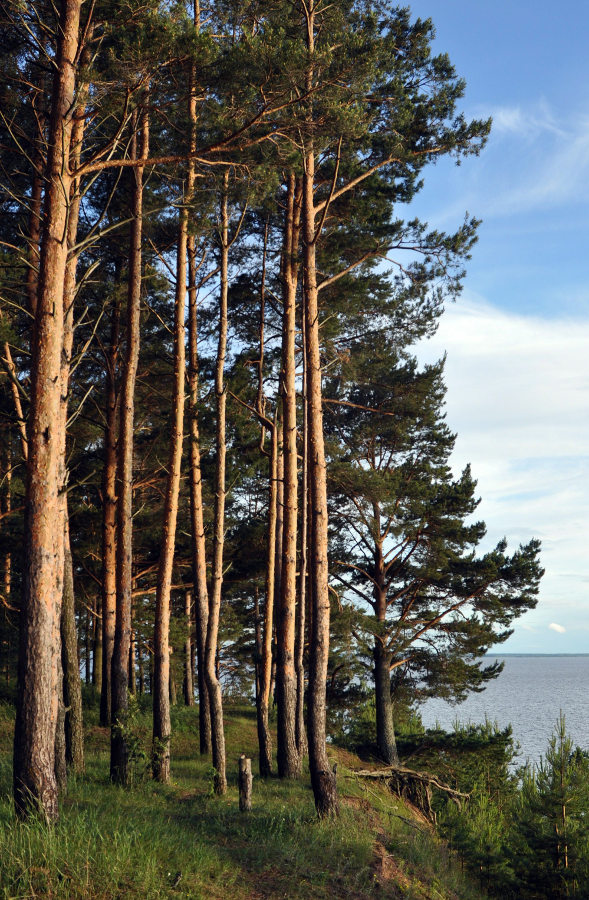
(524, 123)
(554, 174)
(518, 395)
(559, 628)
(533, 161)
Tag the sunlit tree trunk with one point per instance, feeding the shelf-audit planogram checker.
(322, 778)
(264, 631)
(35, 786)
(289, 759)
(122, 641)
(72, 691)
(264, 736)
(198, 546)
(161, 688)
(213, 684)
(188, 684)
(301, 731)
(199, 562)
(109, 518)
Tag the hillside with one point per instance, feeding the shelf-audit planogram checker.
(179, 840)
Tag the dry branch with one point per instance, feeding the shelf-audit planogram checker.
(415, 787)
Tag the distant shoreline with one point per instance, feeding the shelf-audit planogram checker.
(535, 654)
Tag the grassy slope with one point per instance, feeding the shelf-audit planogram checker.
(156, 841)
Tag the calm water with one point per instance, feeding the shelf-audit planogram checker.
(528, 695)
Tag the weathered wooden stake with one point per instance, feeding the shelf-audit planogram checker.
(245, 783)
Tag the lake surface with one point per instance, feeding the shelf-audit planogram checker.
(528, 695)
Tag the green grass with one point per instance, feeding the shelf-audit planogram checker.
(179, 840)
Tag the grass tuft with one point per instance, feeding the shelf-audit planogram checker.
(178, 840)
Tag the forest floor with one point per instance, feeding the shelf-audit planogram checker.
(179, 840)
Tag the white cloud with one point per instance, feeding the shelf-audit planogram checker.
(525, 123)
(560, 628)
(534, 162)
(518, 385)
(518, 396)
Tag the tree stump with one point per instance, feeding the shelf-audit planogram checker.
(245, 783)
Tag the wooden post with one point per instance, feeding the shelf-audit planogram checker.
(245, 783)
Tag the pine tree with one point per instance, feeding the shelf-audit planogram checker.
(427, 608)
(551, 831)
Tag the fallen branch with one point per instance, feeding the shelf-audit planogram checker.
(415, 787)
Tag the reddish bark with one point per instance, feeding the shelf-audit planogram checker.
(213, 684)
(109, 519)
(289, 759)
(161, 642)
(37, 706)
(119, 757)
(322, 778)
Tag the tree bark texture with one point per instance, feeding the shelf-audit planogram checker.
(385, 729)
(199, 561)
(97, 644)
(301, 731)
(245, 783)
(198, 545)
(72, 692)
(322, 778)
(264, 635)
(124, 576)
(15, 390)
(35, 206)
(35, 786)
(213, 684)
(264, 736)
(161, 643)
(109, 518)
(60, 739)
(72, 688)
(289, 759)
(5, 508)
(188, 655)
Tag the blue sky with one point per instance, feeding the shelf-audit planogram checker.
(518, 339)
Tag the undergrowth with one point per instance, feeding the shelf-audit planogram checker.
(179, 840)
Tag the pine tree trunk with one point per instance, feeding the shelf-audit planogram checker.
(72, 688)
(188, 655)
(213, 684)
(60, 739)
(140, 670)
(322, 778)
(120, 658)
(385, 729)
(72, 692)
(161, 642)
(109, 519)
(289, 759)
(14, 387)
(264, 636)
(35, 786)
(199, 562)
(301, 731)
(5, 508)
(132, 681)
(264, 736)
(35, 206)
(97, 645)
